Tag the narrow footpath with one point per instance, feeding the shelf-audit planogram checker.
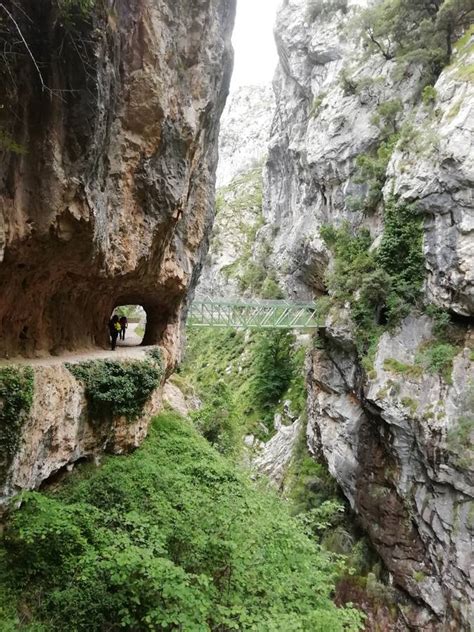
(128, 348)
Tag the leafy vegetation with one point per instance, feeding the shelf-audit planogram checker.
(437, 357)
(260, 369)
(170, 538)
(421, 32)
(7, 143)
(460, 437)
(115, 389)
(379, 284)
(429, 96)
(395, 366)
(217, 420)
(372, 166)
(273, 368)
(308, 483)
(132, 312)
(73, 13)
(323, 8)
(16, 398)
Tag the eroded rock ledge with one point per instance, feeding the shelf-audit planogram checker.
(51, 417)
(110, 198)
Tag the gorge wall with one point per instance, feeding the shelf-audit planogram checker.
(243, 145)
(364, 159)
(108, 149)
(109, 121)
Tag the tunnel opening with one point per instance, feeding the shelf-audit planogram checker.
(130, 322)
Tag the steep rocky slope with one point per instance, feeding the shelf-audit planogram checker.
(243, 145)
(108, 126)
(109, 119)
(368, 201)
(245, 128)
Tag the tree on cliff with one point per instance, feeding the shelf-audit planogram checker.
(421, 31)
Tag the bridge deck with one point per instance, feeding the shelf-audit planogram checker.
(252, 314)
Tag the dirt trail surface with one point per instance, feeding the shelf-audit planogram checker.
(128, 348)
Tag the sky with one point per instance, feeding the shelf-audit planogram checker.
(255, 52)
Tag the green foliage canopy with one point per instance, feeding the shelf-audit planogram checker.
(273, 368)
(377, 282)
(422, 31)
(217, 419)
(171, 538)
(115, 389)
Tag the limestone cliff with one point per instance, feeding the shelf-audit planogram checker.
(108, 149)
(109, 119)
(243, 144)
(245, 128)
(57, 427)
(395, 426)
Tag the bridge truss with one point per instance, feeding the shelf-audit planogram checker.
(252, 314)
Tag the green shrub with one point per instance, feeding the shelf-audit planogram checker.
(386, 281)
(386, 118)
(16, 398)
(400, 252)
(308, 484)
(441, 318)
(438, 358)
(172, 537)
(395, 366)
(271, 288)
(273, 369)
(409, 403)
(349, 85)
(69, 9)
(236, 358)
(316, 105)
(429, 95)
(379, 284)
(372, 166)
(115, 389)
(7, 143)
(217, 420)
(324, 8)
(253, 277)
(460, 436)
(156, 356)
(416, 32)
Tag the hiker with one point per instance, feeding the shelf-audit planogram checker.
(114, 330)
(123, 326)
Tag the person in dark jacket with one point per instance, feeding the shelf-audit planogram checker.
(114, 330)
(123, 326)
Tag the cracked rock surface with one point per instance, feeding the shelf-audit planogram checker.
(397, 437)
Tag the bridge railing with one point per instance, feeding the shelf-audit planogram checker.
(252, 314)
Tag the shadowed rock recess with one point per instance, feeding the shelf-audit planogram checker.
(108, 151)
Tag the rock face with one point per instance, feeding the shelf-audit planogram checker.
(107, 172)
(395, 444)
(238, 218)
(243, 145)
(397, 435)
(273, 458)
(436, 171)
(245, 129)
(59, 430)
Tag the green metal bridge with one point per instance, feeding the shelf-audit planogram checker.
(252, 314)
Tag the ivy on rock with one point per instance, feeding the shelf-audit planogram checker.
(16, 399)
(116, 389)
(380, 284)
